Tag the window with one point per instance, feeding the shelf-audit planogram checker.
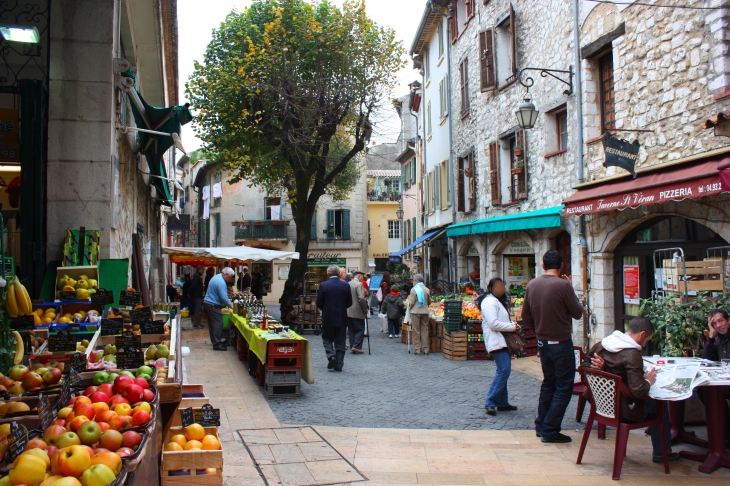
(443, 99)
(461, 12)
(429, 131)
(444, 187)
(508, 169)
(467, 194)
(437, 188)
(427, 195)
(338, 224)
(413, 233)
(426, 67)
(608, 108)
(393, 229)
(272, 209)
(494, 176)
(313, 227)
(469, 4)
(413, 171)
(504, 34)
(440, 39)
(486, 60)
(217, 201)
(561, 126)
(464, 75)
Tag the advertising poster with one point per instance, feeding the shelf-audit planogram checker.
(631, 284)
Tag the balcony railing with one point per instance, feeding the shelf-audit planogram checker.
(261, 230)
(384, 196)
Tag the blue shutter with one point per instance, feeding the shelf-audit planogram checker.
(345, 224)
(313, 227)
(330, 224)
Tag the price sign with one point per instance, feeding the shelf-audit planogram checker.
(61, 341)
(78, 363)
(73, 377)
(65, 394)
(46, 412)
(22, 323)
(155, 327)
(112, 327)
(130, 359)
(102, 297)
(17, 440)
(67, 296)
(129, 298)
(128, 341)
(140, 316)
(207, 416)
(186, 416)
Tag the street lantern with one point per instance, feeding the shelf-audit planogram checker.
(399, 213)
(526, 113)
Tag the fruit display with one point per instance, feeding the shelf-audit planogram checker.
(21, 379)
(155, 355)
(183, 441)
(84, 286)
(468, 309)
(17, 300)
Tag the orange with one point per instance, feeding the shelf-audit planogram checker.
(173, 446)
(211, 443)
(179, 438)
(193, 445)
(194, 432)
(210, 470)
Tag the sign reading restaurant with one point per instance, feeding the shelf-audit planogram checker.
(325, 259)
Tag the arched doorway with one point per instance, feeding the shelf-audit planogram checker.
(637, 250)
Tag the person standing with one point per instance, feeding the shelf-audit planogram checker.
(382, 293)
(209, 273)
(171, 293)
(196, 293)
(418, 301)
(393, 305)
(216, 298)
(494, 306)
(550, 304)
(357, 313)
(257, 283)
(244, 280)
(333, 299)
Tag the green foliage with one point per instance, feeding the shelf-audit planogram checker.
(680, 328)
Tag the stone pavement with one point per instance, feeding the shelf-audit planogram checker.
(322, 454)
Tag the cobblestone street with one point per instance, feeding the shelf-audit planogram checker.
(392, 389)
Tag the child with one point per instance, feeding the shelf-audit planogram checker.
(393, 306)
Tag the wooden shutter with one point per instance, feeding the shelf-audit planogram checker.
(513, 46)
(345, 224)
(472, 183)
(454, 22)
(469, 8)
(313, 227)
(522, 178)
(486, 60)
(494, 187)
(464, 84)
(460, 187)
(330, 224)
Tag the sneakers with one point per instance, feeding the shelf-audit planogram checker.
(390, 336)
(672, 457)
(558, 439)
(397, 335)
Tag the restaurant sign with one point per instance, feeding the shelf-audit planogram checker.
(620, 153)
(323, 259)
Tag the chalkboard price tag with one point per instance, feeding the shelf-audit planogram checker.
(65, 394)
(155, 327)
(17, 440)
(128, 341)
(129, 298)
(45, 410)
(61, 341)
(78, 364)
(129, 359)
(67, 296)
(140, 316)
(207, 416)
(73, 377)
(102, 297)
(112, 327)
(186, 416)
(22, 323)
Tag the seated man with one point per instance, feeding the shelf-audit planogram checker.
(620, 354)
(717, 348)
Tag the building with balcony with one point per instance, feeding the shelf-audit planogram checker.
(384, 194)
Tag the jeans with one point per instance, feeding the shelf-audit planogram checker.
(558, 369)
(498, 395)
(357, 332)
(394, 326)
(654, 431)
(334, 339)
(215, 324)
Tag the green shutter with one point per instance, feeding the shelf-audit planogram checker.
(403, 176)
(313, 227)
(413, 170)
(330, 224)
(217, 220)
(345, 224)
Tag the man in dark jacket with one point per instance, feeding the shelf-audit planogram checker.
(244, 280)
(257, 283)
(333, 299)
(717, 348)
(196, 293)
(620, 354)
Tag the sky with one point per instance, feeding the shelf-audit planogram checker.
(197, 19)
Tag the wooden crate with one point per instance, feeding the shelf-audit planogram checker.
(192, 461)
(455, 346)
(435, 328)
(186, 403)
(435, 345)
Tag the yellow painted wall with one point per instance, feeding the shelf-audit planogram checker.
(378, 214)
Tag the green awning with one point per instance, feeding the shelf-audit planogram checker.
(168, 120)
(542, 218)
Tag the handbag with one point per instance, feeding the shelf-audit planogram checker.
(407, 315)
(513, 341)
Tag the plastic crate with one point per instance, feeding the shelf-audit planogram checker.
(284, 348)
(452, 327)
(282, 363)
(478, 356)
(284, 391)
(285, 377)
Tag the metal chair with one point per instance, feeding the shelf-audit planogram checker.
(607, 390)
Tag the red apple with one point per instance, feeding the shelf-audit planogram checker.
(140, 417)
(5, 381)
(110, 459)
(117, 423)
(52, 433)
(107, 389)
(82, 399)
(31, 380)
(35, 444)
(125, 452)
(142, 382)
(84, 409)
(70, 417)
(60, 422)
(51, 377)
(51, 450)
(107, 416)
(121, 382)
(149, 395)
(89, 391)
(128, 424)
(74, 461)
(116, 400)
(98, 396)
(133, 393)
(88, 449)
(17, 372)
(104, 426)
(99, 450)
(131, 439)
(111, 440)
(77, 422)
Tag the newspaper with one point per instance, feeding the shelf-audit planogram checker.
(676, 382)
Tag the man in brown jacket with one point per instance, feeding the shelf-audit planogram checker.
(418, 301)
(620, 354)
(357, 313)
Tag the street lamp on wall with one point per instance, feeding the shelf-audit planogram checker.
(527, 113)
(399, 213)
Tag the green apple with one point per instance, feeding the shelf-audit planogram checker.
(127, 373)
(144, 370)
(98, 475)
(112, 376)
(100, 378)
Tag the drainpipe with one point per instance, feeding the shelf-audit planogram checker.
(579, 166)
(452, 253)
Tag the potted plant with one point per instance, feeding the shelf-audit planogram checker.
(518, 151)
(519, 167)
(259, 223)
(277, 222)
(243, 224)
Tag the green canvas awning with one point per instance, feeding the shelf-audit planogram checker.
(168, 120)
(542, 218)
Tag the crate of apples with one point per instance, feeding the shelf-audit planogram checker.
(21, 379)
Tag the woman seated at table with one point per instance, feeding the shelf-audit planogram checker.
(620, 354)
(717, 348)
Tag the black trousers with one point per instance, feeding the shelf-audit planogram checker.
(334, 339)
(357, 332)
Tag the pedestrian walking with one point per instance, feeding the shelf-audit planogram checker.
(216, 298)
(418, 301)
(394, 308)
(333, 299)
(257, 283)
(550, 304)
(495, 305)
(357, 313)
(196, 294)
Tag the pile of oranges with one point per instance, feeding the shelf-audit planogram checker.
(193, 438)
(469, 310)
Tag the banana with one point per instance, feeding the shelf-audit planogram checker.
(19, 348)
(11, 304)
(24, 305)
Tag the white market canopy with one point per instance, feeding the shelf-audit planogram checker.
(203, 256)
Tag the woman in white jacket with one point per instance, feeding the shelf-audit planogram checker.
(496, 320)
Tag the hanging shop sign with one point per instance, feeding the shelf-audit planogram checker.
(518, 247)
(631, 284)
(620, 153)
(9, 147)
(395, 259)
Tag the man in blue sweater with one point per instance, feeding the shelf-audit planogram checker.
(216, 298)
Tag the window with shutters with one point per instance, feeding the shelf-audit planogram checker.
(429, 129)
(440, 39)
(217, 229)
(413, 170)
(413, 232)
(512, 163)
(436, 188)
(217, 201)
(313, 227)
(461, 186)
(486, 60)
(461, 12)
(505, 50)
(403, 170)
(608, 108)
(443, 99)
(464, 77)
(561, 128)
(427, 195)
(338, 224)
(472, 182)
(272, 208)
(426, 66)
(467, 184)
(494, 175)
(444, 186)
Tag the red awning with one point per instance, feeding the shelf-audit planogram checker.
(692, 180)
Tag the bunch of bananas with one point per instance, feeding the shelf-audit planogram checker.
(17, 300)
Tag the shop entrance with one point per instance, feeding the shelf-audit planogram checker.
(633, 259)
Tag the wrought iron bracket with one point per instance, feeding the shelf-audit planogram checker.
(544, 72)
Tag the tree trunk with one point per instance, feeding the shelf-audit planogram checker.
(294, 285)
